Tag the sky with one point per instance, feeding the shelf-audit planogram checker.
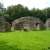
(48, 3)
(29, 3)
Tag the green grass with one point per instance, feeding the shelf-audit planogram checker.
(33, 40)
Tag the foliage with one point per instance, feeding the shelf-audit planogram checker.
(17, 11)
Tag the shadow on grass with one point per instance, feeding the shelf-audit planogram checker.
(4, 46)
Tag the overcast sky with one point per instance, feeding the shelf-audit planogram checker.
(29, 3)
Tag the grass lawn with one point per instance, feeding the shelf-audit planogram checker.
(33, 40)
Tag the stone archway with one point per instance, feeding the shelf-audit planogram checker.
(38, 26)
(17, 26)
(28, 23)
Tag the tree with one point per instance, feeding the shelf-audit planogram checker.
(42, 14)
(26, 12)
(2, 9)
(48, 12)
(1, 5)
(17, 11)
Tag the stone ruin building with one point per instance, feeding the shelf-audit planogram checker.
(23, 23)
(26, 23)
(47, 24)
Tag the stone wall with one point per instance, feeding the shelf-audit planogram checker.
(28, 23)
(4, 25)
(47, 24)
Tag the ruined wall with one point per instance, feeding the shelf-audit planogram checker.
(47, 24)
(28, 23)
(4, 25)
